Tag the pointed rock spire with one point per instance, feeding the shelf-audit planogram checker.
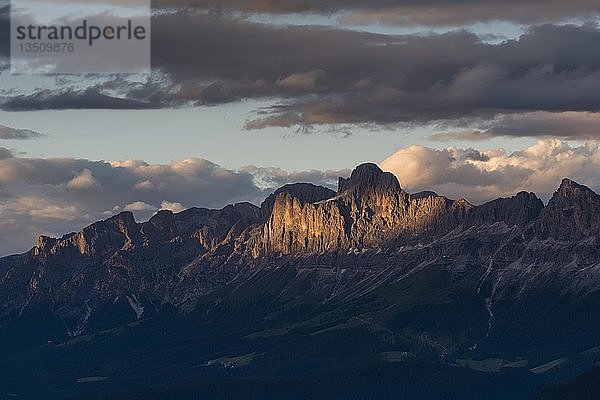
(572, 213)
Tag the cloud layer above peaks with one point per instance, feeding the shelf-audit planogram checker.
(479, 175)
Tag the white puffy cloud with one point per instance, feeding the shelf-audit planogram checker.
(479, 176)
(139, 206)
(144, 185)
(82, 180)
(171, 206)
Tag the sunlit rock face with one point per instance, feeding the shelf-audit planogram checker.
(370, 209)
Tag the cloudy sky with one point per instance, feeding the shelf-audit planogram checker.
(470, 98)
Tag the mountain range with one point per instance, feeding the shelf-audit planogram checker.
(369, 292)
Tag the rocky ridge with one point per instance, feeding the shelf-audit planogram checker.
(370, 228)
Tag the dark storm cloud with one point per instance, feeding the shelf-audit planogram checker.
(408, 12)
(422, 79)
(90, 98)
(323, 75)
(566, 125)
(9, 133)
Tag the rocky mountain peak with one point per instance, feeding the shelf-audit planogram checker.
(520, 209)
(572, 194)
(368, 177)
(163, 218)
(572, 213)
(304, 192)
(124, 219)
(569, 187)
(161, 226)
(44, 244)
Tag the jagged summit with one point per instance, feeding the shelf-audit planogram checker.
(568, 186)
(518, 210)
(368, 177)
(572, 195)
(304, 192)
(572, 213)
(162, 225)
